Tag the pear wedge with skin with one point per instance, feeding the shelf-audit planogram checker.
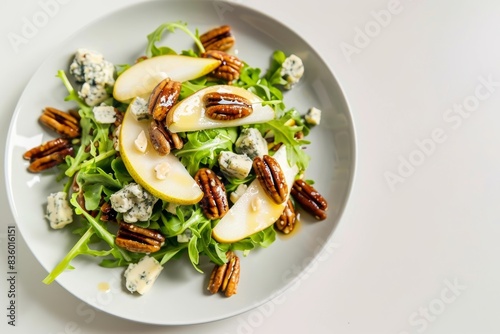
(142, 77)
(190, 113)
(254, 210)
(175, 185)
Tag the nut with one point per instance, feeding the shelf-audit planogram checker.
(162, 139)
(108, 214)
(61, 122)
(310, 199)
(138, 239)
(226, 277)
(226, 106)
(230, 66)
(219, 38)
(271, 177)
(48, 154)
(164, 96)
(214, 202)
(286, 222)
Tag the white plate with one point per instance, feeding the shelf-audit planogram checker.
(179, 296)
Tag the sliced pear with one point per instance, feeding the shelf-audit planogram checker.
(254, 210)
(174, 184)
(189, 114)
(142, 77)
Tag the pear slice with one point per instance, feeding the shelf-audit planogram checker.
(189, 114)
(164, 176)
(254, 210)
(142, 77)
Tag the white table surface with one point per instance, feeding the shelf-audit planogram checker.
(417, 250)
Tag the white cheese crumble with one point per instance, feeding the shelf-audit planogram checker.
(104, 114)
(134, 202)
(139, 109)
(256, 204)
(141, 142)
(313, 116)
(184, 236)
(59, 212)
(161, 170)
(141, 276)
(235, 165)
(240, 190)
(292, 70)
(252, 143)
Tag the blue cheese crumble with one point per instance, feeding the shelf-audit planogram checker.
(134, 202)
(252, 143)
(234, 165)
(140, 276)
(104, 114)
(59, 212)
(313, 116)
(139, 109)
(94, 73)
(292, 70)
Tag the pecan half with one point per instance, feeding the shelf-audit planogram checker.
(309, 199)
(163, 97)
(226, 106)
(108, 214)
(138, 239)
(48, 154)
(226, 277)
(214, 202)
(219, 38)
(61, 122)
(162, 139)
(287, 219)
(230, 66)
(271, 177)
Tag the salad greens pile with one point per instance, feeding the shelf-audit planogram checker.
(96, 171)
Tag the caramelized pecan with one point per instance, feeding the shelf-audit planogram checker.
(226, 277)
(230, 66)
(61, 122)
(48, 154)
(226, 106)
(163, 97)
(309, 199)
(271, 177)
(162, 139)
(214, 202)
(287, 219)
(219, 38)
(138, 239)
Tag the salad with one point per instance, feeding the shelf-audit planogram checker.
(180, 153)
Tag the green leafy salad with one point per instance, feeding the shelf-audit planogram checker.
(105, 202)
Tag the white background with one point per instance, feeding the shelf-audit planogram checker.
(418, 254)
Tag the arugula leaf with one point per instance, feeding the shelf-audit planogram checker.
(152, 50)
(203, 147)
(285, 133)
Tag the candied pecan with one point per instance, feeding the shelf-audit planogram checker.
(163, 97)
(309, 199)
(219, 38)
(226, 106)
(61, 122)
(162, 139)
(230, 67)
(214, 202)
(48, 154)
(138, 239)
(108, 214)
(226, 277)
(271, 177)
(287, 219)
